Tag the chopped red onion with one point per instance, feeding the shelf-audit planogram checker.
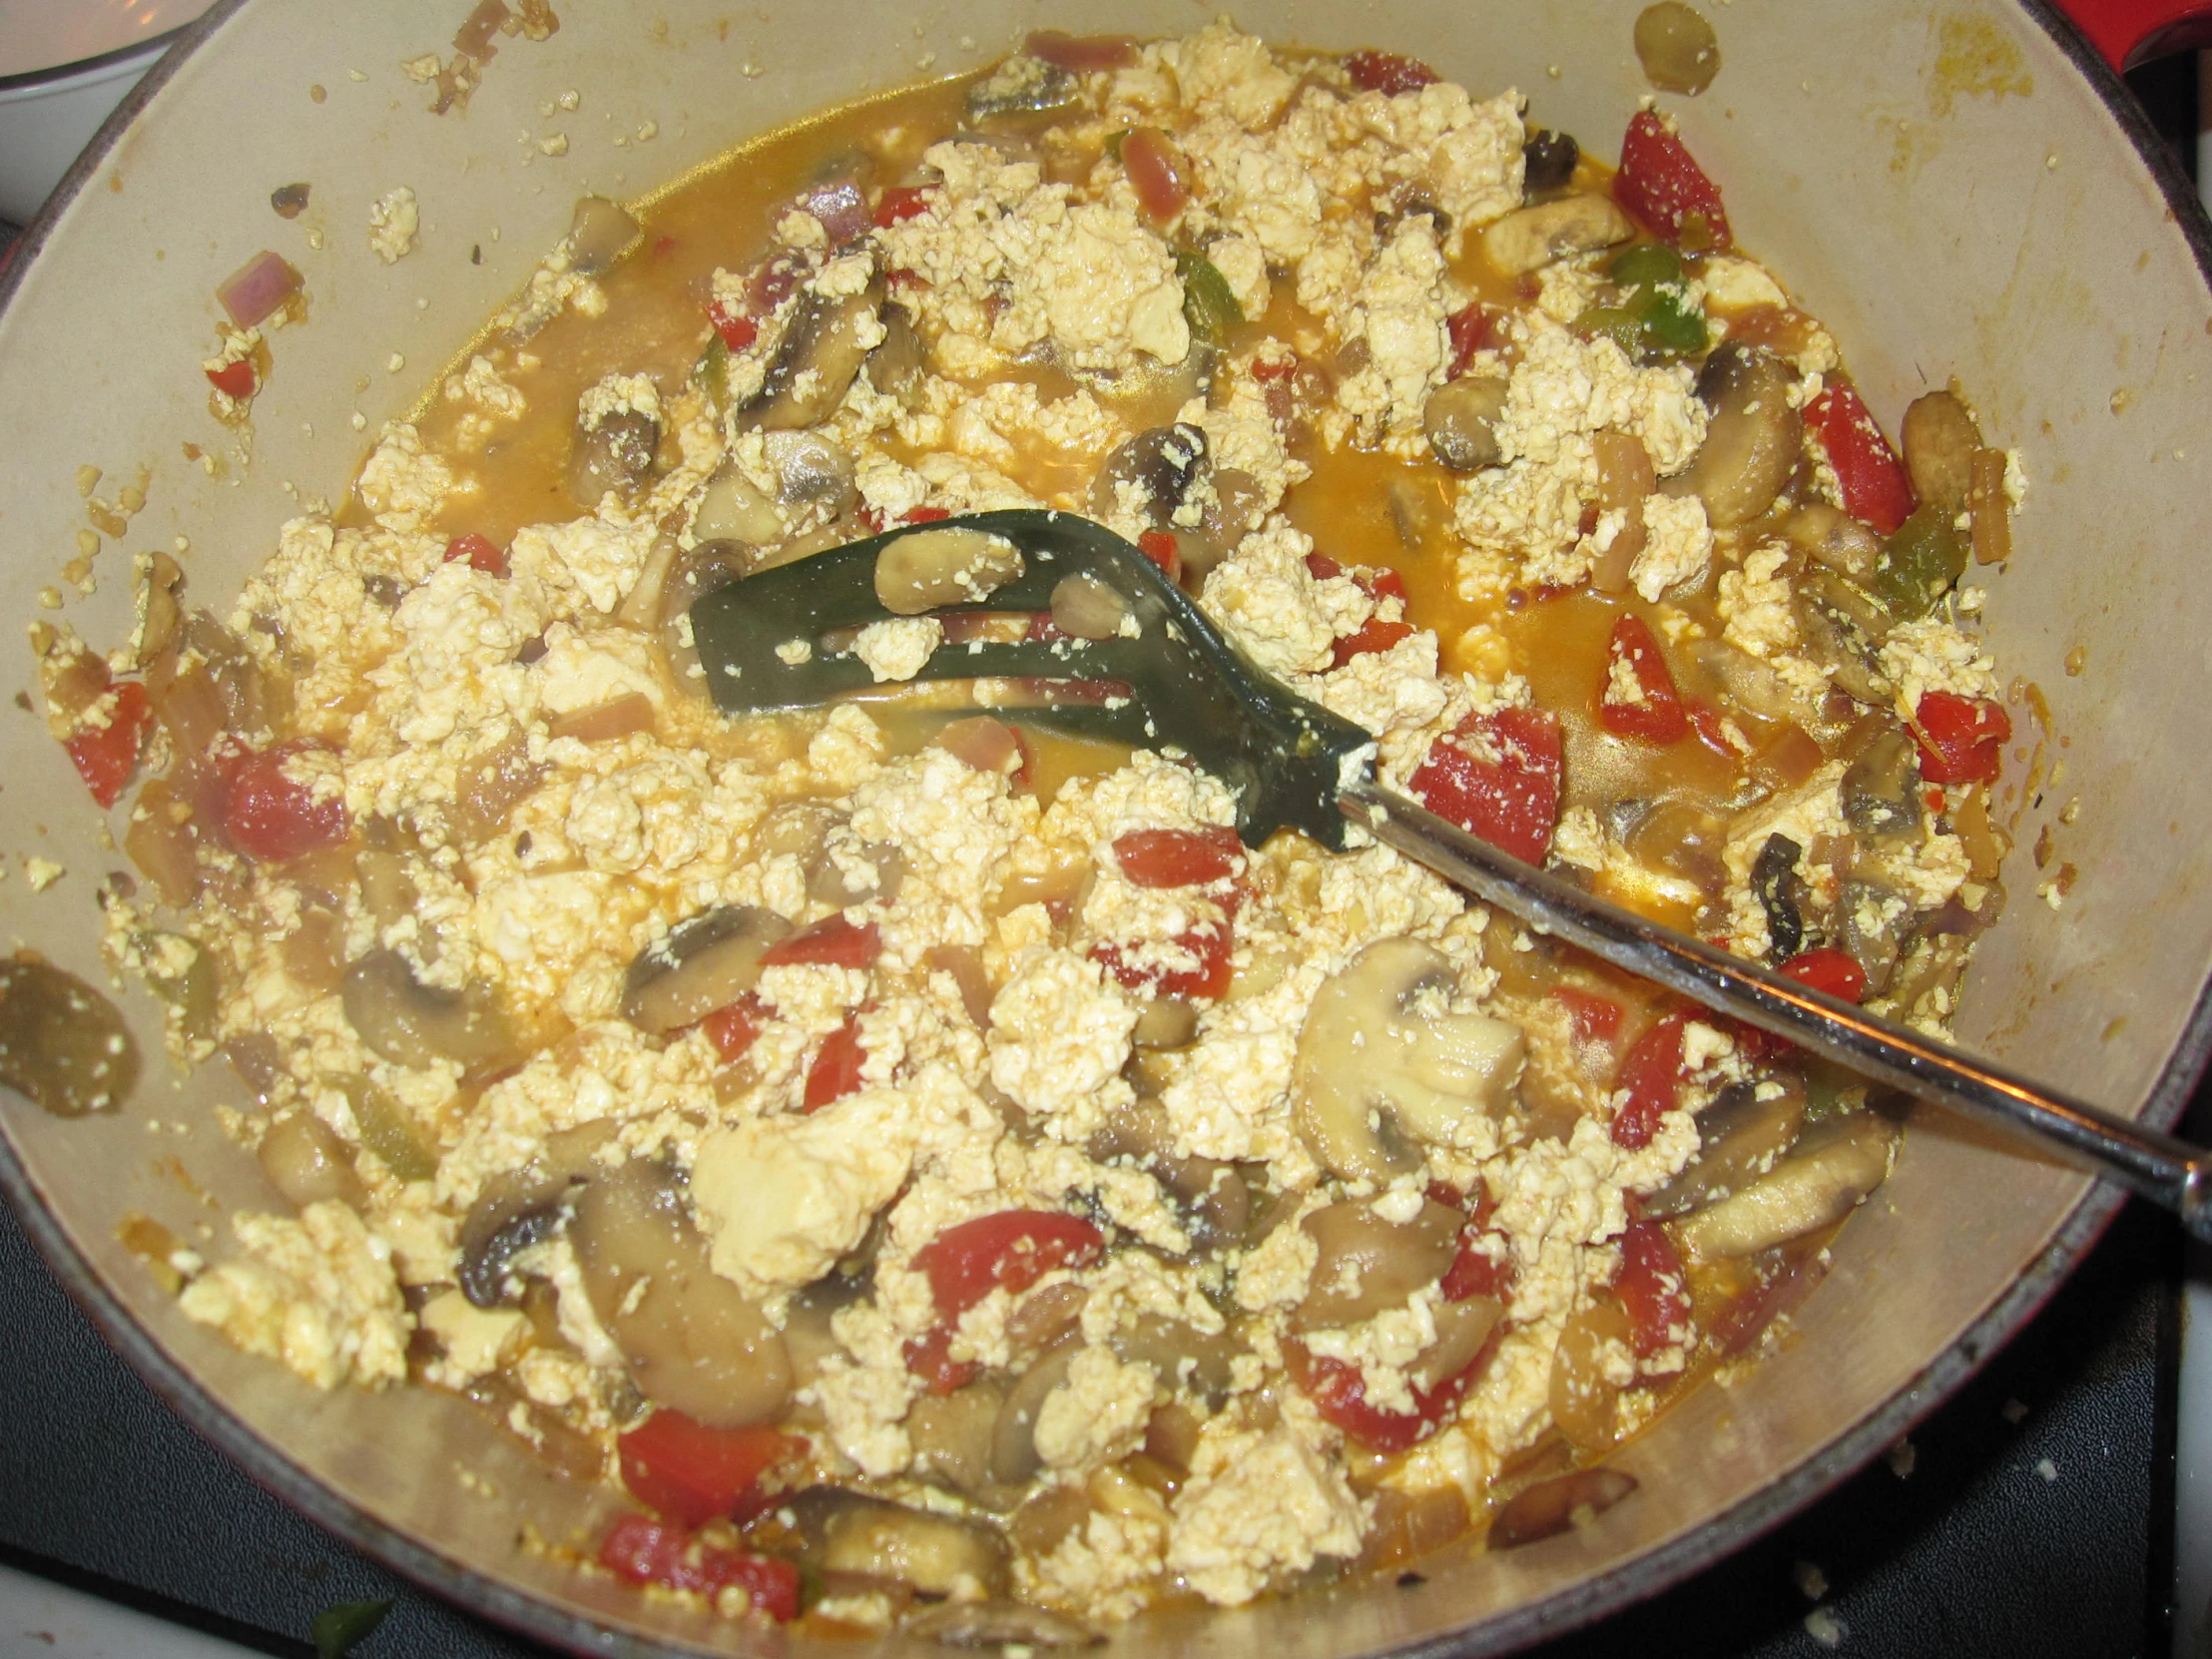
(258, 287)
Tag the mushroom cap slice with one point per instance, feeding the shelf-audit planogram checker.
(703, 963)
(1376, 1072)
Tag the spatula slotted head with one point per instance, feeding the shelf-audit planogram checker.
(782, 640)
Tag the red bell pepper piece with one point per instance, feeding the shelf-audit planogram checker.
(1652, 1075)
(1834, 971)
(234, 380)
(1961, 739)
(1652, 1288)
(1212, 943)
(735, 1027)
(737, 329)
(481, 552)
(902, 203)
(1652, 711)
(1177, 857)
(106, 756)
(831, 942)
(1340, 1394)
(1512, 801)
(929, 1357)
(1875, 486)
(641, 1551)
(693, 1475)
(1662, 185)
(1161, 548)
(1471, 329)
(1010, 1250)
(835, 1071)
(273, 819)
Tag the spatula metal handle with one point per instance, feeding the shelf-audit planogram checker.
(2166, 1170)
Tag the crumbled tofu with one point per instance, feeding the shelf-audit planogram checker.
(317, 1293)
(899, 648)
(1258, 1507)
(395, 219)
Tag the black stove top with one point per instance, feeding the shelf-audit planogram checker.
(2029, 1519)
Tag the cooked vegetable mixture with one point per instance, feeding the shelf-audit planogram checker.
(929, 1151)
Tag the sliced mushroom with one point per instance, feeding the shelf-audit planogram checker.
(1842, 629)
(1462, 419)
(1380, 1061)
(487, 789)
(307, 1163)
(525, 1207)
(701, 964)
(1871, 923)
(1941, 438)
(1751, 683)
(1002, 1625)
(1014, 1457)
(1739, 1138)
(1180, 1355)
(614, 452)
(601, 233)
(1751, 442)
(898, 366)
(1881, 790)
(811, 472)
(1163, 468)
(1553, 1506)
(692, 1339)
(938, 1555)
(951, 1435)
(1584, 1393)
(1832, 1169)
(1464, 1331)
(413, 1024)
(1085, 608)
(735, 508)
(1528, 239)
(813, 366)
(1782, 895)
(1211, 1198)
(1366, 1264)
(1022, 85)
(1835, 539)
(949, 566)
(1548, 161)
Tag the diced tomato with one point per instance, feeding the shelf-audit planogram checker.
(835, 1071)
(831, 942)
(1653, 713)
(1961, 739)
(693, 1475)
(735, 1027)
(924, 515)
(1274, 369)
(1598, 1019)
(480, 553)
(233, 380)
(1160, 547)
(1652, 1075)
(1875, 486)
(1156, 171)
(1081, 53)
(1177, 857)
(1375, 634)
(106, 756)
(1834, 971)
(1340, 1394)
(1010, 1250)
(1485, 1265)
(735, 328)
(1384, 584)
(271, 818)
(1511, 801)
(902, 203)
(1212, 944)
(1662, 185)
(929, 1357)
(1323, 567)
(1386, 72)
(641, 1551)
(1471, 328)
(1653, 1290)
(1706, 722)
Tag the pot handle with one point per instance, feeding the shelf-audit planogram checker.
(2126, 33)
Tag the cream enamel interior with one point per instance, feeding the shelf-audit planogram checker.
(1944, 190)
